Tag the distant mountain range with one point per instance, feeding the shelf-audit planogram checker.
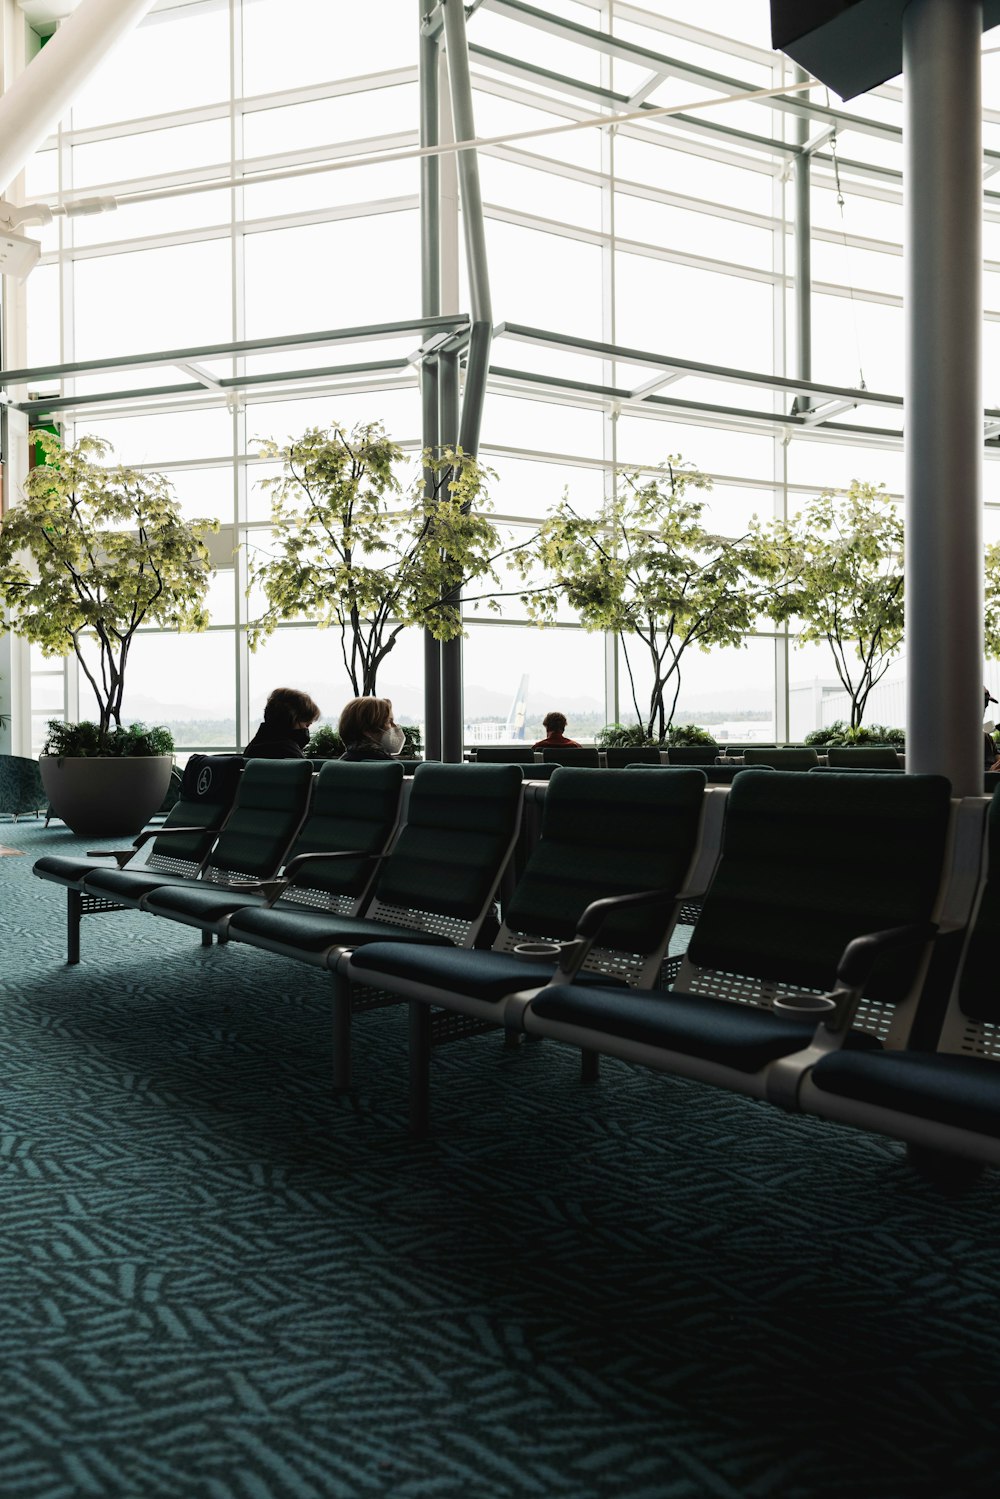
(480, 702)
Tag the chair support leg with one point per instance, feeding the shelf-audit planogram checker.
(206, 939)
(341, 1034)
(74, 910)
(590, 1066)
(420, 1068)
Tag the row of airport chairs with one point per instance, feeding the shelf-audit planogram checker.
(839, 959)
(784, 757)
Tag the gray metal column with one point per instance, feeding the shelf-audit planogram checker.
(944, 407)
(474, 231)
(452, 707)
(803, 256)
(430, 293)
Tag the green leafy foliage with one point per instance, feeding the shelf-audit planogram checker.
(991, 617)
(647, 568)
(841, 733)
(92, 552)
(688, 733)
(623, 736)
(413, 743)
(324, 744)
(842, 577)
(634, 736)
(83, 740)
(355, 551)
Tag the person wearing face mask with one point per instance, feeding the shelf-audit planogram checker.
(284, 733)
(369, 731)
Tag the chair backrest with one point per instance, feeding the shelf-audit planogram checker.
(354, 806)
(613, 833)
(798, 758)
(808, 863)
(585, 755)
(207, 791)
(538, 771)
(618, 757)
(270, 804)
(868, 756)
(693, 754)
(446, 863)
(972, 1022)
(504, 754)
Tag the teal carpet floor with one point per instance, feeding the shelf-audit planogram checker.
(217, 1282)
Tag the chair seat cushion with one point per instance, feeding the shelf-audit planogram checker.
(201, 903)
(129, 885)
(481, 975)
(62, 869)
(962, 1091)
(718, 1030)
(312, 932)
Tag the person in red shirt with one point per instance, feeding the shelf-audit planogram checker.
(555, 723)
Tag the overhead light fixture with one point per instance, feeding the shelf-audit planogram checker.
(18, 254)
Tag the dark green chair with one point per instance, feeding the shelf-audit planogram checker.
(862, 757)
(584, 755)
(352, 815)
(504, 754)
(618, 757)
(435, 887)
(693, 754)
(180, 846)
(802, 941)
(271, 801)
(615, 833)
(21, 790)
(799, 757)
(942, 1097)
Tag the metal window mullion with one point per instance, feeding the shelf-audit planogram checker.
(608, 334)
(236, 403)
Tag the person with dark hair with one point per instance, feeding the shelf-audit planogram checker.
(284, 733)
(555, 738)
(369, 730)
(990, 759)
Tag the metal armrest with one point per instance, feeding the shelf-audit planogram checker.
(123, 855)
(860, 955)
(288, 876)
(855, 968)
(574, 953)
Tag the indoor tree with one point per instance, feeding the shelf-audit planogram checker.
(647, 568)
(91, 552)
(357, 551)
(841, 580)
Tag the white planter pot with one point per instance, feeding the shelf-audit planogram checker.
(105, 798)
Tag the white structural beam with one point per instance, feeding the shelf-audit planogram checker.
(35, 103)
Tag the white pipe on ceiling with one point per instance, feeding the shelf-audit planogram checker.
(36, 101)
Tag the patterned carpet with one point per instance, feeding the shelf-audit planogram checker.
(217, 1282)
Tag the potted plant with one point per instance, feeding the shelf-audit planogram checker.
(91, 553)
(361, 552)
(645, 566)
(325, 743)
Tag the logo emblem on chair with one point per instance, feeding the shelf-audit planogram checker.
(204, 780)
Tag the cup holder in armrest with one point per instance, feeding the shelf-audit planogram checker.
(804, 1007)
(538, 952)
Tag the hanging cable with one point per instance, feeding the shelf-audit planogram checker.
(847, 257)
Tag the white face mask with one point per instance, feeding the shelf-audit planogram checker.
(393, 739)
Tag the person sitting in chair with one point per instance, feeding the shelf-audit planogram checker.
(284, 733)
(555, 724)
(369, 730)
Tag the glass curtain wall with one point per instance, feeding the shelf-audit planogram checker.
(229, 129)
